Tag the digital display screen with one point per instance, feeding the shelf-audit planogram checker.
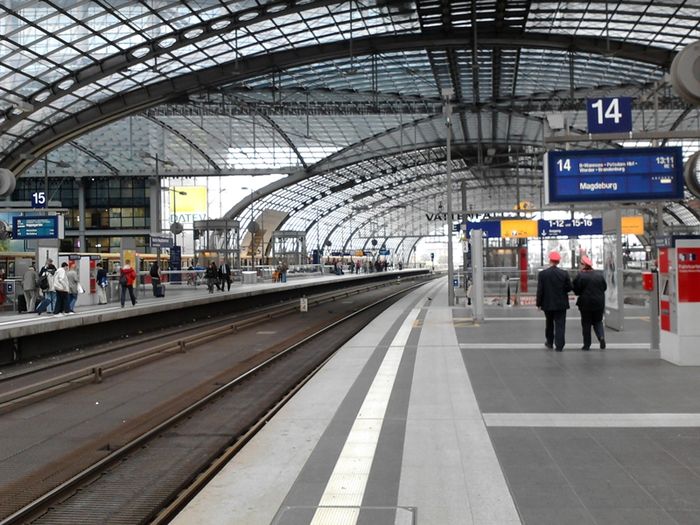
(35, 227)
(628, 174)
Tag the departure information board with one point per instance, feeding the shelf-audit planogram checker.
(42, 227)
(541, 228)
(628, 174)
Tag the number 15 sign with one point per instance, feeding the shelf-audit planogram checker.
(609, 115)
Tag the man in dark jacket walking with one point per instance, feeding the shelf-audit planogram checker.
(553, 287)
(590, 287)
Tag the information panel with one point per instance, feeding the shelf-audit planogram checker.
(41, 227)
(628, 174)
(490, 228)
(570, 227)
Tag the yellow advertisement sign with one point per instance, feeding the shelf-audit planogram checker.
(188, 199)
(518, 228)
(633, 225)
(129, 257)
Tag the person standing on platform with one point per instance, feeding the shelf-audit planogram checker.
(46, 284)
(127, 278)
(225, 275)
(212, 277)
(73, 284)
(553, 287)
(590, 287)
(30, 285)
(285, 267)
(62, 287)
(102, 283)
(154, 272)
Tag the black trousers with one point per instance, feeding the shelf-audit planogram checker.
(131, 294)
(555, 328)
(62, 303)
(592, 318)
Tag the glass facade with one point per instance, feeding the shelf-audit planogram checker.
(110, 204)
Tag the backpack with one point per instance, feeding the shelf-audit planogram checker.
(44, 282)
(122, 279)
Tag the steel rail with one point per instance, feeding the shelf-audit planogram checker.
(22, 396)
(61, 491)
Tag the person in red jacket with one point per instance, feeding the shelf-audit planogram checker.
(127, 277)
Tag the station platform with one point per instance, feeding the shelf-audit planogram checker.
(27, 333)
(426, 417)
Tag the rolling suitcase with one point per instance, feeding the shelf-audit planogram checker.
(21, 303)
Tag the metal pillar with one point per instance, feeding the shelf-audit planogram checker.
(81, 214)
(463, 227)
(477, 244)
(447, 95)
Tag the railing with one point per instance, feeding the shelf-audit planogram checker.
(502, 285)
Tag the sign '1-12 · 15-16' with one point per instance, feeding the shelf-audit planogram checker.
(627, 174)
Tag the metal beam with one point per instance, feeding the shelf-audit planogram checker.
(184, 138)
(281, 133)
(632, 135)
(131, 102)
(95, 156)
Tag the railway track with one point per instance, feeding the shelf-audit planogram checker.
(173, 341)
(143, 468)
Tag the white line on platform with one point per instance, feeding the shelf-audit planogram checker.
(346, 487)
(541, 318)
(528, 346)
(655, 420)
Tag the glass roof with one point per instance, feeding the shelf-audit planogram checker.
(341, 98)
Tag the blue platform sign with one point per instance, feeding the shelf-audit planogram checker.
(30, 227)
(569, 227)
(628, 174)
(159, 240)
(609, 115)
(489, 228)
(38, 199)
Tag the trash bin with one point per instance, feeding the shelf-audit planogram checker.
(249, 277)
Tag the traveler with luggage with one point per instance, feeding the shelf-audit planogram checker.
(154, 272)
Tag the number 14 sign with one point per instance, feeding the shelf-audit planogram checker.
(609, 115)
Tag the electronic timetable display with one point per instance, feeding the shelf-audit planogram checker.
(628, 174)
(41, 227)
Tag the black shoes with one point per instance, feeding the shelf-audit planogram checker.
(585, 348)
(559, 349)
(602, 344)
(549, 346)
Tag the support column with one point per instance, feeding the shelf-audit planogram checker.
(81, 214)
(477, 244)
(463, 231)
(447, 95)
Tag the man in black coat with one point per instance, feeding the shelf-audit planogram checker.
(553, 287)
(590, 287)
